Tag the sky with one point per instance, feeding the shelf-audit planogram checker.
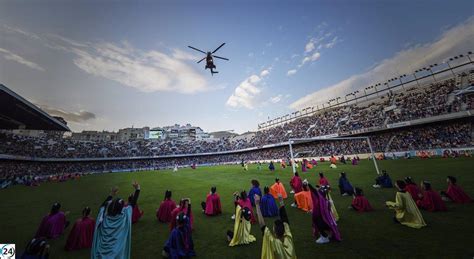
(106, 65)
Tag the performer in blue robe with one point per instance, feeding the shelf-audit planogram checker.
(345, 186)
(180, 243)
(383, 181)
(267, 204)
(271, 166)
(113, 229)
(254, 190)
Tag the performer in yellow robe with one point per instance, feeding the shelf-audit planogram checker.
(278, 244)
(406, 211)
(333, 208)
(242, 226)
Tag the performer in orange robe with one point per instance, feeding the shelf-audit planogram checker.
(278, 188)
(303, 198)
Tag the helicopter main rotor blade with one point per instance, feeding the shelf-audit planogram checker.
(218, 48)
(221, 57)
(201, 60)
(197, 49)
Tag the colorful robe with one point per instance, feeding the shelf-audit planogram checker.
(242, 229)
(136, 214)
(278, 188)
(296, 184)
(431, 201)
(413, 190)
(176, 212)
(213, 205)
(457, 194)
(275, 248)
(323, 181)
(268, 206)
(112, 235)
(322, 211)
(406, 211)
(304, 201)
(180, 243)
(361, 204)
(163, 214)
(254, 190)
(247, 204)
(52, 225)
(81, 234)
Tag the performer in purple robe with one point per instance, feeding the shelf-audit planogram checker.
(180, 243)
(53, 224)
(323, 221)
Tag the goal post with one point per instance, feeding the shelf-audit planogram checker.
(293, 141)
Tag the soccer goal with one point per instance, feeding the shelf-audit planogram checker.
(306, 154)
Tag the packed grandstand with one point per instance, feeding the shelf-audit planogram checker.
(434, 117)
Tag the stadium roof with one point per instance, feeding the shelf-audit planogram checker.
(18, 113)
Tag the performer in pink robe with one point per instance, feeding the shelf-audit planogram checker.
(296, 183)
(212, 206)
(183, 207)
(244, 202)
(53, 224)
(82, 233)
(163, 213)
(323, 181)
(360, 203)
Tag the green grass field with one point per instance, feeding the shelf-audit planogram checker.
(449, 234)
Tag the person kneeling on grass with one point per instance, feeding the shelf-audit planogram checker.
(430, 200)
(254, 190)
(360, 203)
(82, 232)
(243, 201)
(268, 205)
(241, 234)
(345, 186)
(324, 222)
(383, 181)
(412, 188)
(406, 211)
(163, 214)
(113, 229)
(184, 207)
(278, 188)
(296, 183)
(278, 244)
(212, 206)
(53, 224)
(303, 199)
(180, 243)
(454, 192)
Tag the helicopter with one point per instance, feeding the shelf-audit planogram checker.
(209, 58)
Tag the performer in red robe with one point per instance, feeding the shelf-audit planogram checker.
(296, 183)
(430, 199)
(455, 193)
(163, 214)
(212, 206)
(136, 212)
(412, 188)
(82, 232)
(323, 181)
(183, 207)
(360, 203)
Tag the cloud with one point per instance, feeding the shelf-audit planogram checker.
(264, 73)
(276, 99)
(291, 72)
(314, 57)
(456, 40)
(77, 117)
(331, 44)
(8, 55)
(309, 46)
(246, 92)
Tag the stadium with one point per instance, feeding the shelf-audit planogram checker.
(403, 137)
